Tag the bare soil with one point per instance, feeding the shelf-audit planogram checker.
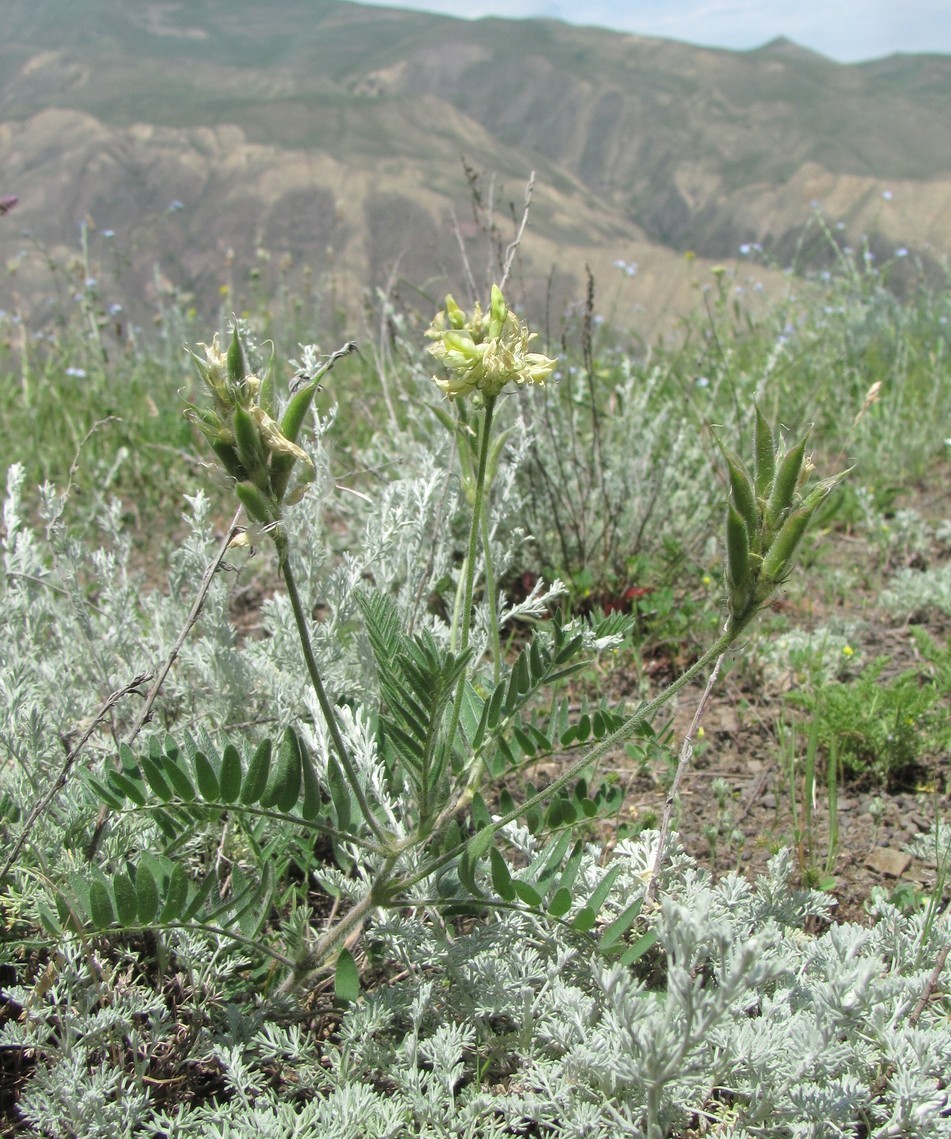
(740, 745)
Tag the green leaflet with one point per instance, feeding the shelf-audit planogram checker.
(284, 785)
(258, 769)
(346, 977)
(230, 774)
(123, 890)
(176, 895)
(100, 904)
(147, 894)
(206, 777)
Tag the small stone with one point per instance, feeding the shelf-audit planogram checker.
(888, 861)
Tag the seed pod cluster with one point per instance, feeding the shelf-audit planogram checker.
(257, 452)
(767, 516)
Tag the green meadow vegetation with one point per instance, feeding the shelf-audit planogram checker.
(450, 731)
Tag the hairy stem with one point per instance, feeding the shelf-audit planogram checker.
(350, 922)
(491, 596)
(323, 700)
(474, 530)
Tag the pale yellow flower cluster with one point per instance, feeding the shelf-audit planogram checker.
(482, 353)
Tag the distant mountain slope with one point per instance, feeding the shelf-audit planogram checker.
(331, 133)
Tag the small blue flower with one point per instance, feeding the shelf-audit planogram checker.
(78, 373)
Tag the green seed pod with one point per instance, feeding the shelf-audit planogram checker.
(778, 560)
(236, 368)
(498, 311)
(765, 455)
(292, 422)
(266, 398)
(258, 506)
(228, 457)
(785, 483)
(249, 447)
(738, 574)
(282, 466)
(296, 411)
(206, 420)
(741, 486)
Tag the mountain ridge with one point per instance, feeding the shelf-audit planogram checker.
(352, 120)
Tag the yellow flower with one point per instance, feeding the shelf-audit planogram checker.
(482, 354)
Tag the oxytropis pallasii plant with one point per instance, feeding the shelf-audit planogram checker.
(387, 930)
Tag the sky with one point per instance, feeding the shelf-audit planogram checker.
(843, 30)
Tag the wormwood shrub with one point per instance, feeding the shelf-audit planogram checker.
(230, 874)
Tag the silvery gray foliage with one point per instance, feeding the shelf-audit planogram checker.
(656, 491)
(498, 1027)
(912, 593)
(738, 1020)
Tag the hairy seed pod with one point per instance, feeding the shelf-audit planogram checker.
(741, 486)
(778, 560)
(228, 457)
(765, 455)
(737, 548)
(258, 506)
(785, 483)
(247, 442)
(282, 467)
(266, 396)
(296, 411)
(236, 368)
